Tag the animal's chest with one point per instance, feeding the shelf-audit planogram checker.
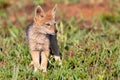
(43, 44)
(38, 41)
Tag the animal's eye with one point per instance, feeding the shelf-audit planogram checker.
(47, 24)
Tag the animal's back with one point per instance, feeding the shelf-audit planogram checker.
(27, 31)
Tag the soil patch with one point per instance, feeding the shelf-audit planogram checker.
(79, 10)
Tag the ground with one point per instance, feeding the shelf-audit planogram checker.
(88, 37)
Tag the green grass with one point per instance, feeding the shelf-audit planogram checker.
(96, 55)
(96, 52)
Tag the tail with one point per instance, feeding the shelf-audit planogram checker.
(27, 31)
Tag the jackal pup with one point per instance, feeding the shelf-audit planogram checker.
(41, 37)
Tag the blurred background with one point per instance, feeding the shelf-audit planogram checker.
(22, 12)
(88, 37)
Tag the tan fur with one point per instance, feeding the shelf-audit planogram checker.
(38, 40)
(44, 56)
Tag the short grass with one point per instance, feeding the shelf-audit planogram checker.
(86, 54)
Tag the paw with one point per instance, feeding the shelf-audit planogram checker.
(36, 66)
(43, 68)
(57, 58)
(31, 64)
(35, 69)
(60, 62)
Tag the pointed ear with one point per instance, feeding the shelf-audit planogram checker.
(54, 10)
(39, 12)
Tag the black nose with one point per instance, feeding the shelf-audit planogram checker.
(56, 31)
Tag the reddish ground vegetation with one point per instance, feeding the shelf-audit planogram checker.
(80, 11)
(85, 10)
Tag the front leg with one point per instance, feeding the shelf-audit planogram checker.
(44, 60)
(35, 59)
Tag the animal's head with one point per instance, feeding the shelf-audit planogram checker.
(45, 20)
